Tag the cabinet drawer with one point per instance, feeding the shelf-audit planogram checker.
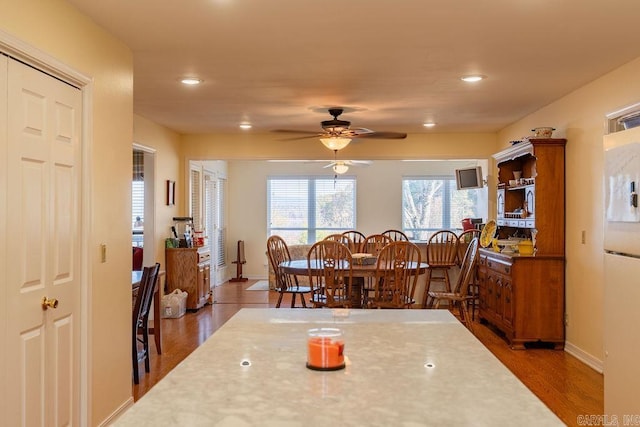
(204, 256)
(512, 222)
(498, 266)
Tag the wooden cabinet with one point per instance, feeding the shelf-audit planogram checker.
(523, 296)
(189, 269)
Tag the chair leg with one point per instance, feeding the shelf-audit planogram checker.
(145, 335)
(304, 303)
(279, 300)
(134, 359)
(447, 283)
(464, 312)
(293, 300)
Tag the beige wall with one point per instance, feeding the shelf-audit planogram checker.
(579, 117)
(54, 27)
(166, 145)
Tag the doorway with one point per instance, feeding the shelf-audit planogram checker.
(143, 205)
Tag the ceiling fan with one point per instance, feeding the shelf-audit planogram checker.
(337, 133)
(342, 166)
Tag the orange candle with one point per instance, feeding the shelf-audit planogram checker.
(325, 349)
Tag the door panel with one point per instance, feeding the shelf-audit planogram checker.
(43, 193)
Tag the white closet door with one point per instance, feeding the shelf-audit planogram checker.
(42, 245)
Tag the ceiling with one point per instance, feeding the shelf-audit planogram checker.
(394, 64)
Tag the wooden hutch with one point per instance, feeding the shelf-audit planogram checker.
(523, 296)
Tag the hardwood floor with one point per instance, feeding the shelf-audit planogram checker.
(566, 385)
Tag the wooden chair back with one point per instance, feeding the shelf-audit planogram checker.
(467, 269)
(397, 272)
(330, 274)
(357, 239)
(342, 238)
(278, 252)
(373, 244)
(442, 249)
(463, 242)
(140, 318)
(395, 235)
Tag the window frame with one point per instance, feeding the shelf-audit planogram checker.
(312, 228)
(447, 205)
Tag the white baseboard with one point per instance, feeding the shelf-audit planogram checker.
(117, 413)
(586, 358)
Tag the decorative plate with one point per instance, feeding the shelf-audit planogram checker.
(488, 232)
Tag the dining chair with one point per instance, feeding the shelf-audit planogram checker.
(395, 235)
(140, 319)
(357, 238)
(442, 254)
(330, 274)
(463, 242)
(278, 252)
(460, 294)
(396, 276)
(342, 238)
(374, 243)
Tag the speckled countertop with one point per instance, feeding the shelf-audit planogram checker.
(404, 368)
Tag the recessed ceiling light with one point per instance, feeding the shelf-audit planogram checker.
(191, 81)
(245, 125)
(473, 78)
(428, 124)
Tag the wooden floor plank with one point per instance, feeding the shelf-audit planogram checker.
(567, 386)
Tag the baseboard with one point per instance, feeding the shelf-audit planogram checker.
(117, 413)
(586, 358)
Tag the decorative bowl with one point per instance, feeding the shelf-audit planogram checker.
(542, 132)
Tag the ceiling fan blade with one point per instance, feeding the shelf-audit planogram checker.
(359, 162)
(381, 135)
(303, 132)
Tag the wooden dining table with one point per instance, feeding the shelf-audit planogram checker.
(300, 267)
(136, 276)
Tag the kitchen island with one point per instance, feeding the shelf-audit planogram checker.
(404, 367)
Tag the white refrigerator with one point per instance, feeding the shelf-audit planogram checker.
(622, 275)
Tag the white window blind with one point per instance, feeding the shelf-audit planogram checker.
(196, 199)
(137, 211)
(433, 203)
(221, 236)
(306, 209)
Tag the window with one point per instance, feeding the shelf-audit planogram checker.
(137, 212)
(433, 203)
(306, 209)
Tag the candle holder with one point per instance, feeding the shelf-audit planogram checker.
(325, 349)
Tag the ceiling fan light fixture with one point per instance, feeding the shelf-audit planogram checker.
(191, 81)
(472, 78)
(335, 143)
(340, 168)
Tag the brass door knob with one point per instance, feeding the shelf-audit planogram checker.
(49, 303)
